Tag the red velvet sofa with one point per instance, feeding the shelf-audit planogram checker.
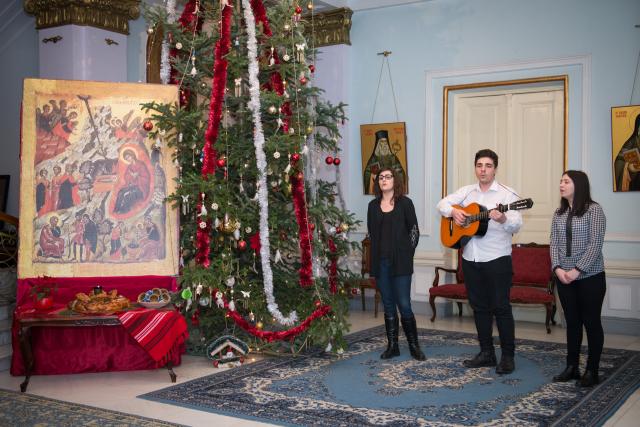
(532, 281)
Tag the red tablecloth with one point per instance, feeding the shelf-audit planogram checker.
(64, 350)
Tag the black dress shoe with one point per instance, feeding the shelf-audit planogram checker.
(570, 373)
(482, 359)
(589, 379)
(506, 365)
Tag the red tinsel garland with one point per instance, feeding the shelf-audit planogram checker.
(261, 16)
(277, 85)
(189, 19)
(220, 65)
(271, 336)
(333, 267)
(299, 204)
(223, 46)
(203, 248)
(190, 22)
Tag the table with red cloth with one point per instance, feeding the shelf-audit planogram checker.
(143, 339)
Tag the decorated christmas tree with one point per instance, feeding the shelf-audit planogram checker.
(263, 241)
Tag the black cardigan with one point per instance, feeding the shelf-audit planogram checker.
(404, 232)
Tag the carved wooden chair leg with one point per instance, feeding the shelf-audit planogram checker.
(172, 374)
(548, 319)
(459, 308)
(362, 295)
(553, 314)
(432, 298)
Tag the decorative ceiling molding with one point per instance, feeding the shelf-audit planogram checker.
(329, 28)
(111, 15)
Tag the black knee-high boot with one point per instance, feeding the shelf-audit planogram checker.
(392, 327)
(411, 332)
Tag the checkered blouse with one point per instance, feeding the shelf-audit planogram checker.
(580, 245)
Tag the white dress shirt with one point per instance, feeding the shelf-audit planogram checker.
(496, 242)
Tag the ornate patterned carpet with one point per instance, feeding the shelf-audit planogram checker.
(20, 409)
(359, 388)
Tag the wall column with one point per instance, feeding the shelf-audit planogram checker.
(83, 40)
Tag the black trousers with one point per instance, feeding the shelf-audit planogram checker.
(488, 286)
(582, 304)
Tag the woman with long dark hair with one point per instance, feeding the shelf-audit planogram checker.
(577, 234)
(393, 229)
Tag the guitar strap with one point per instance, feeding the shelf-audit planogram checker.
(509, 190)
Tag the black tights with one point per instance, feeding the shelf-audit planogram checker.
(582, 303)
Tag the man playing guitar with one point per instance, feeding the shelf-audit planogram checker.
(486, 261)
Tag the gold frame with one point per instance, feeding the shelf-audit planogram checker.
(445, 112)
(119, 98)
(623, 120)
(397, 139)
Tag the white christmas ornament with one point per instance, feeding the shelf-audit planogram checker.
(219, 301)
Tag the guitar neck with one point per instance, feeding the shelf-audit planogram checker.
(480, 216)
(484, 215)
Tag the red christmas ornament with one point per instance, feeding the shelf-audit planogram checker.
(299, 176)
(147, 125)
(242, 245)
(312, 68)
(303, 80)
(318, 303)
(184, 98)
(328, 160)
(295, 157)
(336, 161)
(221, 162)
(195, 318)
(338, 230)
(298, 10)
(312, 226)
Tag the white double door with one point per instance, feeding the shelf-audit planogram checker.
(526, 130)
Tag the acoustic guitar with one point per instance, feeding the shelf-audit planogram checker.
(455, 236)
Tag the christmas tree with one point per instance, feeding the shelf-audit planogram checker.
(263, 242)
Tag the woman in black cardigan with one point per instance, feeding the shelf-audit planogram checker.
(394, 234)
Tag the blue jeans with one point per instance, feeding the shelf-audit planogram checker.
(395, 290)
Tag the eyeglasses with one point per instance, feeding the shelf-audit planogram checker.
(387, 177)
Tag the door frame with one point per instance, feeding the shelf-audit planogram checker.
(449, 90)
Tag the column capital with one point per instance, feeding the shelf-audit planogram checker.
(111, 15)
(330, 27)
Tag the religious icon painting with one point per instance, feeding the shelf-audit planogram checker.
(383, 146)
(625, 147)
(94, 178)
